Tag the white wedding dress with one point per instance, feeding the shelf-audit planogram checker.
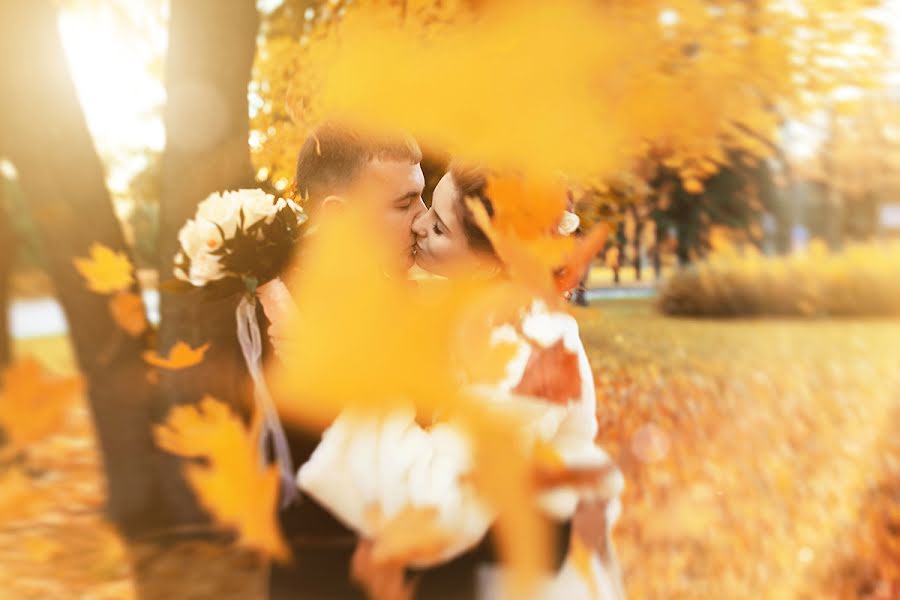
(391, 463)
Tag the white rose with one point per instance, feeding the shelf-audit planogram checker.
(221, 209)
(205, 269)
(198, 238)
(258, 205)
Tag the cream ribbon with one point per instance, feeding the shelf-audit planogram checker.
(251, 346)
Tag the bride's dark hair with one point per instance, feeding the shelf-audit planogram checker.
(472, 182)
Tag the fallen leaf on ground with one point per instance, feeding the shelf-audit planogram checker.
(32, 403)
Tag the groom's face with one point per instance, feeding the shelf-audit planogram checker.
(393, 191)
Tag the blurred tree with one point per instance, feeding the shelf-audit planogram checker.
(143, 218)
(29, 252)
(7, 260)
(275, 135)
(46, 137)
(283, 103)
(735, 197)
(862, 163)
(211, 49)
(731, 72)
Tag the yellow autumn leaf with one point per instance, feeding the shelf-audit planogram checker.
(380, 580)
(397, 344)
(181, 356)
(105, 271)
(582, 558)
(16, 494)
(693, 186)
(231, 483)
(127, 310)
(32, 403)
(529, 207)
(414, 534)
(531, 262)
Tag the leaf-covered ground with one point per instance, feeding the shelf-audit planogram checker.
(760, 459)
(761, 455)
(54, 542)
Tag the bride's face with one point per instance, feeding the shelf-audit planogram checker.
(441, 244)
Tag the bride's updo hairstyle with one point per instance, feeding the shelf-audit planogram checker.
(472, 182)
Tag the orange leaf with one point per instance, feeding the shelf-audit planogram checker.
(528, 208)
(552, 374)
(127, 309)
(414, 534)
(181, 356)
(568, 276)
(231, 484)
(376, 335)
(526, 262)
(105, 271)
(32, 403)
(551, 470)
(380, 580)
(16, 494)
(581, 558)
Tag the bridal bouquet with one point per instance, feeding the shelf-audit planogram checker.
(247, 234)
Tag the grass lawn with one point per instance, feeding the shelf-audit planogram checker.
(760, 455)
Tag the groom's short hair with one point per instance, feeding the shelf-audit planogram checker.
(334, 154)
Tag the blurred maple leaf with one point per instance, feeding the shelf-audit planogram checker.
(231, 484)
(529, 207)
(181, 356)
(581, 556)
(572, 270)
(384, 344)
(105, 271)
(381, 580)
(414, 534)
(531, 264)
(16, 491)
(32, 403)
(127, 309)
(551, 373)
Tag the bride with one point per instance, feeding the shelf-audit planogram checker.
(548, 375)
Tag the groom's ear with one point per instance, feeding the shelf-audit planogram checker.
(332, 205)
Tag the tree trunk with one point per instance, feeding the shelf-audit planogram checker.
(211, 50)
(636, 243)
(45, 135)
(7, 260)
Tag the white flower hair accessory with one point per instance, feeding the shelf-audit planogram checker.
(569, 223)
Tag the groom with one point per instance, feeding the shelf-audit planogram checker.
(334, 165)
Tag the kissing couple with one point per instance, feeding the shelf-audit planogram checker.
(365, 465)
